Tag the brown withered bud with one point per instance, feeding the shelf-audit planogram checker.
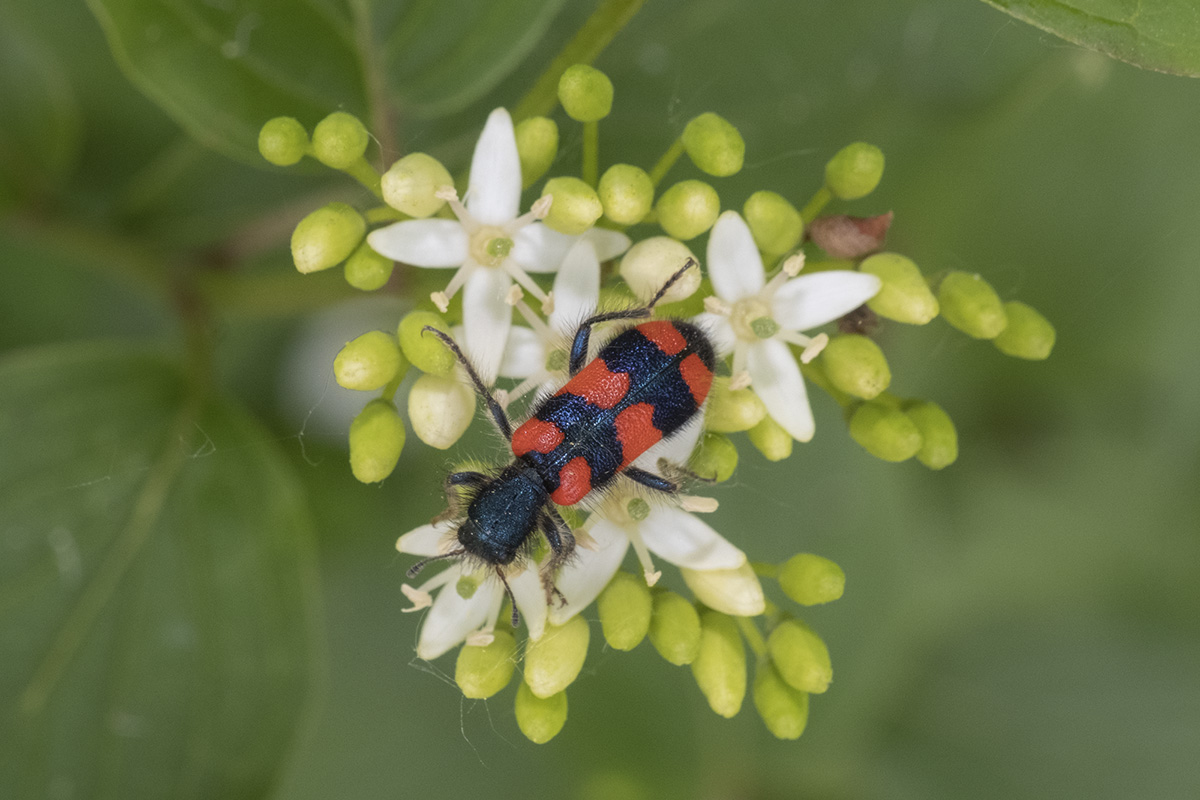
(843, 236)
(861, 320)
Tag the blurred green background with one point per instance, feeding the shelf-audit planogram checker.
(1023, 624)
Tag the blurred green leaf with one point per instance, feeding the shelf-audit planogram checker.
(1163, 35)
(157, 585)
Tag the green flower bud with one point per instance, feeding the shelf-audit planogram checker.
(648, 264)
(736, 591)
(856, 365)
(887, 433)
(440, 410)
(537, 146)
(939, 439)
(283, 141)
(575, 208)
(376, 439)
(409, 185)
(771, 439)
(775, 223)
(424, 350)
(720, 664)
(1027, 335)
(326, 237)
(715, 459)
(553, 662)
(368, 270)
(782, 708)
(339, 140)
(586, 93)
(854, 171)
(688, 209)
(482, 671)
(730, 412)
(800, 656)
(675, 628)
(970, 304)
(904, 295)
(811, 580)
(626, 193)
(714, 145)
(625, 608)
(368, 362)
(540, 718)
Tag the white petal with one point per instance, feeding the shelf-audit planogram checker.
(812, 300)
(486, 320)
(524, 354)
(685, 541)
(422, 242)
(451, 617)
(719, 330)
(734, 265)
(494, 190)
(608, 244)
(531, 601)
(730, 591)
(775, 378)
(576, 288)
(427, 540)
(583, 578)
(538, 249)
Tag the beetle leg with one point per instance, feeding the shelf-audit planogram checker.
(680, 473)
(493, 406)
(562, 546)
(454, 500)
(650, 480)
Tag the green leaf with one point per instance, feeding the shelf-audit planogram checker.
(156, 589)
(1162, 35)
(223, 69)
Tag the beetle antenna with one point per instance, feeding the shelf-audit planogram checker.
(420, 565)
(516, 617)
(691, 262)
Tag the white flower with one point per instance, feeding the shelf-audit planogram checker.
(489, 244)
(757, 319)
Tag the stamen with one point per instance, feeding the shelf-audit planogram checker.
(441, 301)
(585, 540)
(538, 211)
(715, 305)
(514, 295)
(481, 638)
(521, 389)
(534, 321)
(739, 361)
(502, 397)
(740, 380)
(814, 348)
(418, 598)
(643, 554)
(700, 505)
(793, 264)
(448, 194)
(520, 276)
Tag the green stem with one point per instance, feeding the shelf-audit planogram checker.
(365, 174)
(591, 153)
(384, 214)
(389, 391)
(666, 162)
(816, 204)
(764, 570)
(753, 636)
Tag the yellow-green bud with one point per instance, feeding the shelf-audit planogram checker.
(649, 263)
(782, 708)
(626, 193)
(368, 362)
(771, 439)
(939, 439)
(854, 171)
(327, 237)
(736, 591)
(774, 222)
(904, 295)
(440, 409)
(339, 140)
(410, 185)
(540, 718)
(537, 146)
(800, 656)
(625, 608)
(376, 439)
(424, 350)
(675, 629)
(586, 93)
(688, 209)
(482, 671)
(970, 304)
(367, 270)
(720, 664)
(856, 365)
(714, 145)
(553, 662)
(575, 207)
(886, 432)
(282, 141)
(715, 459)
(731, 412)
(1027, 335)
(811, 580)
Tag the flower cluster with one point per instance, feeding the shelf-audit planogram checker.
(773, 276)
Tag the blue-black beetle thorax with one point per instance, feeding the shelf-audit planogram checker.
(503, 514)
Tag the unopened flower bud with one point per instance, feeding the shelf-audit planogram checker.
(424, 350)
(904, 295)
(736, 592)
(856, 365)
(376, 439)
(586, 93)
(651, 262)
(339, 140)
(675, 628)
(540, 718)
(440, 409)
(720, 665)
(482, 671)
(282, 141)
(367, 270)
(771, 439)
(970, 304)
(811, 580)
(688, 209)
(368, 362)
(553, 662)
(939, 439)
(326, 237)
(626, 193)
(1027, 335)
(774, 222)
(782, 708)
(800, 656)
(575, 206)
(411, 185)
(843, 236)
(886, 432)
(537, 146)
(625, 608)
(854, 171)
(715, 459)
(731, 412)
(714, 145)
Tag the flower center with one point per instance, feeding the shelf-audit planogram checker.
(490, 246)
(751, 320)
(638, 509)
